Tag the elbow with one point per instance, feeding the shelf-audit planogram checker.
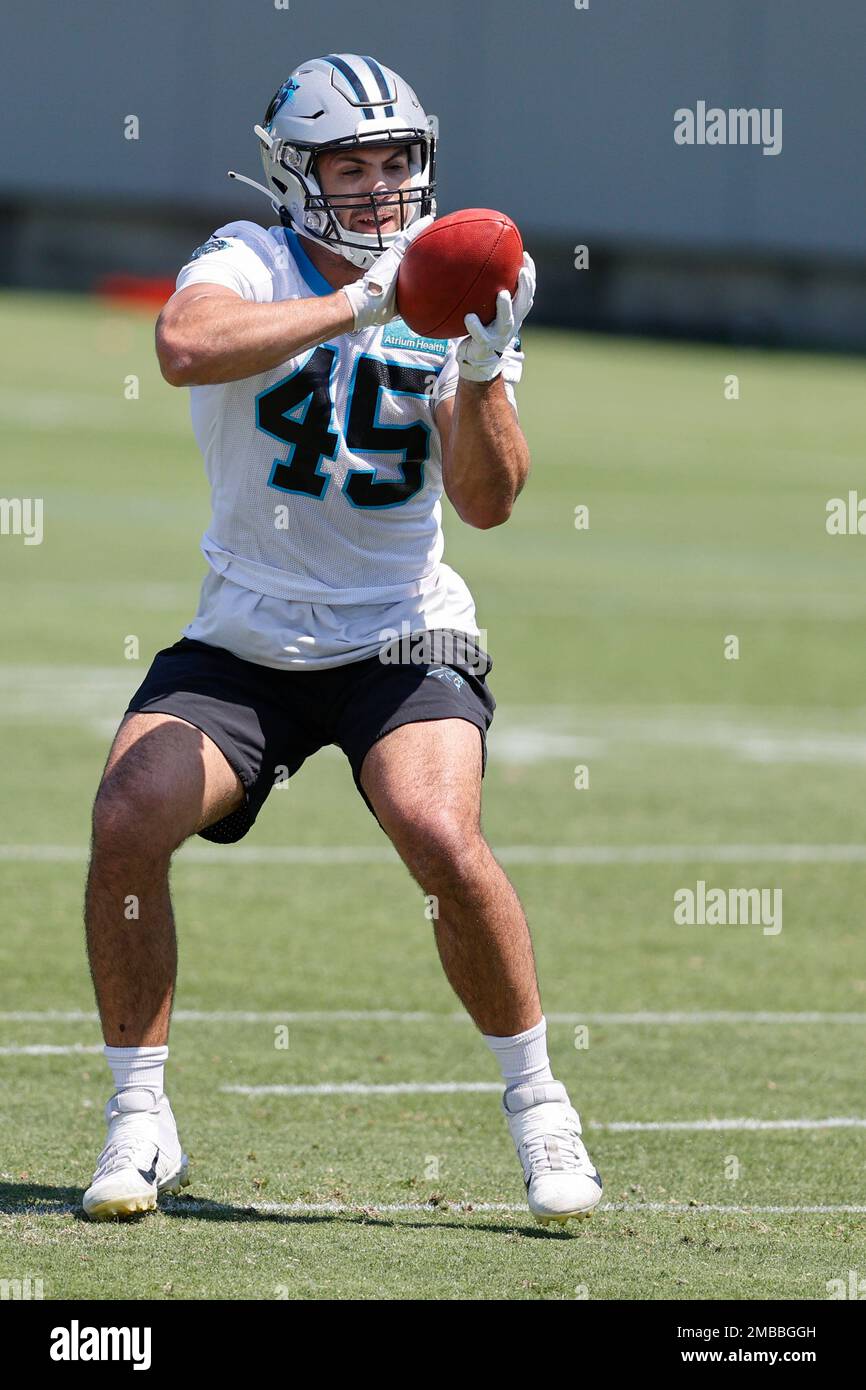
(486, 507)
(176, 369)
(485, 517)
(175, 361)
(175, 364)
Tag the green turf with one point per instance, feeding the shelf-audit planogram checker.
(706, 519)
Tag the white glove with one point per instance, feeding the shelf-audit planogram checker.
(479, 356)
(373, 298)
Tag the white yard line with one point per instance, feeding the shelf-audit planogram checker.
(550, 855)
(367, 1088)
(377, 1088)
(179, 1205)
(523, 735)
(48, 1049)
(673, 1208)
(634, 1126)
(699, 1016)
(648, 1018)
(59, 410)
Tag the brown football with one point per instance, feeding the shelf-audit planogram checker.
(456, 267)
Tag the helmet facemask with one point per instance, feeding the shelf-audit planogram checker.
(292, 168)
(407, 204)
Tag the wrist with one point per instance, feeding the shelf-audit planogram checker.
(354, 301)
(470, 386)
(479, 369)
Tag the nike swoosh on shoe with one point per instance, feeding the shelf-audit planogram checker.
(150, 1174)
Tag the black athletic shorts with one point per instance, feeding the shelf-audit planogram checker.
(267, 722)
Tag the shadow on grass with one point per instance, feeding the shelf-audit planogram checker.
(23, 1198)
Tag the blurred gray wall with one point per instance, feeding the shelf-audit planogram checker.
(562, 117)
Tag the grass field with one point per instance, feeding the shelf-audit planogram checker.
(706, 521)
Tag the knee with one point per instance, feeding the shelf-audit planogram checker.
(130, 820)
(443, 851)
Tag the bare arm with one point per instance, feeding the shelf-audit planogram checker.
(485, 456)
(208, 334)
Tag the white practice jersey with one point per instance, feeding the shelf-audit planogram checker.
(325, 475)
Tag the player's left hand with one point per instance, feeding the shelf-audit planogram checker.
(479, 356)
(373, 298)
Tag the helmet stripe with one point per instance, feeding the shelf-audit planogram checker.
(380, 81)
(353, 79)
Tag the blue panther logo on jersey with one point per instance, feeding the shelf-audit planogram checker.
(285, 93)
(214, 243)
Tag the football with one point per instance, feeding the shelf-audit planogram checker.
(457, 267)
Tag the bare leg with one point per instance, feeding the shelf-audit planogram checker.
(163, 781)
(424, 781)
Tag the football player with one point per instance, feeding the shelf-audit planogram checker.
(329, 431)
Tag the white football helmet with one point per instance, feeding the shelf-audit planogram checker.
(341, 102)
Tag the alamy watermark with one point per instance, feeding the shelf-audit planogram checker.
(846, 516)
(711, 907)
(22, 516)
(853, 1287)
(25, 1288)
(738, 125)
(439, 647)
(77, 1343)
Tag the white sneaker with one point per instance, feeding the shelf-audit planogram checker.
(561, 1181)
(142, 1156)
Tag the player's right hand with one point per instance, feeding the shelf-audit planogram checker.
(479, 357)
(373, 298)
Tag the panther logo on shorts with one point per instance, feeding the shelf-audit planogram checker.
(444, 673)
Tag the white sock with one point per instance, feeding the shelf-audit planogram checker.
(138, 1066)
(523, 1057)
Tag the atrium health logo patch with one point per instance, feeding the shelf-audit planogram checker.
(399, 335)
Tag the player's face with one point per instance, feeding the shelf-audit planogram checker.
(362, 172)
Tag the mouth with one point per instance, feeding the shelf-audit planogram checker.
(366, 223)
